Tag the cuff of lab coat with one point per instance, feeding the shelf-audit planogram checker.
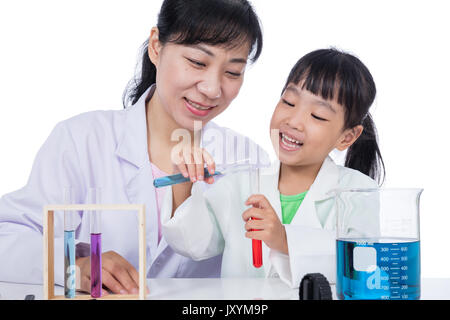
(280, 267)
(310, 250)
(179, 230)
(166, 207)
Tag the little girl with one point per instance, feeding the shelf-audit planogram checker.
(324, 106)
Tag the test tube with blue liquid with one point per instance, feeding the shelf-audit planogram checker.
(241, 165)
(69, 246)
(96, 244)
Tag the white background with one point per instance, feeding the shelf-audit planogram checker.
(61, 58)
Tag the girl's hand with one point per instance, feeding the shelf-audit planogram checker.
(270, 229)
(192, 162)
(118, 275)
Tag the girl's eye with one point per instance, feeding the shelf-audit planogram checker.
(288, 103)
(196, 63)
(318, 118)
(234, 74)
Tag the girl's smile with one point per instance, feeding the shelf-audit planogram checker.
(290, 143)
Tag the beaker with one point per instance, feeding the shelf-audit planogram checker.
(377, 244)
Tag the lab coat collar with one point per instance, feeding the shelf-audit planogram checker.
(308, 214)
(326, 180)
(133, 144)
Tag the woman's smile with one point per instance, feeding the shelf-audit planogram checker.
(198, 109)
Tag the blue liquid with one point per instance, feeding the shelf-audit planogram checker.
(396, 275)
(69, 264)
(179, 178)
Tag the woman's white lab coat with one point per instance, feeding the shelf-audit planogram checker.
(106, 149)
(210, 222)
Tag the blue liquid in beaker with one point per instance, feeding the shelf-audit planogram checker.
(381, 268)
(69, 264)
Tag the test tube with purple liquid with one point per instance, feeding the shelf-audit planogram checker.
(96, 245)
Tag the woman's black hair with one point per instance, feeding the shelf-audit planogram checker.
(330, 72)
(229, 23)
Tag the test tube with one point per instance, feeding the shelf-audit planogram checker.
(256, 244)
(96, 244)
(69, 246)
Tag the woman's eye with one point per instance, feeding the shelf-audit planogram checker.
(196, 63)
(318, 118)
(288, 103)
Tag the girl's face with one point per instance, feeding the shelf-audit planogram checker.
(310, 127)
(196, 82)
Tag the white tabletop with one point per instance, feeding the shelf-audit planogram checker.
(220, 289)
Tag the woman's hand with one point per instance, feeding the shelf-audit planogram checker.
(264, 219)
(118, 275)
(191, 163)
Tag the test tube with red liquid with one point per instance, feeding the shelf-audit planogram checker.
(96, 244)
(256, 244)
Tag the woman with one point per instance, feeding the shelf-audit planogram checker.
(193, 67)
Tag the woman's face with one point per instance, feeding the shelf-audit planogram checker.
(310, 127)
(197, 82)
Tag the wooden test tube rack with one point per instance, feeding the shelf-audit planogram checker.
(49, 275)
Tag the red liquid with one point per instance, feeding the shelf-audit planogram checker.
(96, 265)
(256, 251)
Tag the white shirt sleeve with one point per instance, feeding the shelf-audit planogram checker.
(21, 212)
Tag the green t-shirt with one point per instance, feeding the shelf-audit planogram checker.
(290, 205)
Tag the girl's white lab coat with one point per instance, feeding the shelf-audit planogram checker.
(210, 222)
(106, 149)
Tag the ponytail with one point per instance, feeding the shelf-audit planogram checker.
(137, 86)
(364, 154)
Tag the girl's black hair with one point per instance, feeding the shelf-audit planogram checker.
(330, 72)
(229, 23)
